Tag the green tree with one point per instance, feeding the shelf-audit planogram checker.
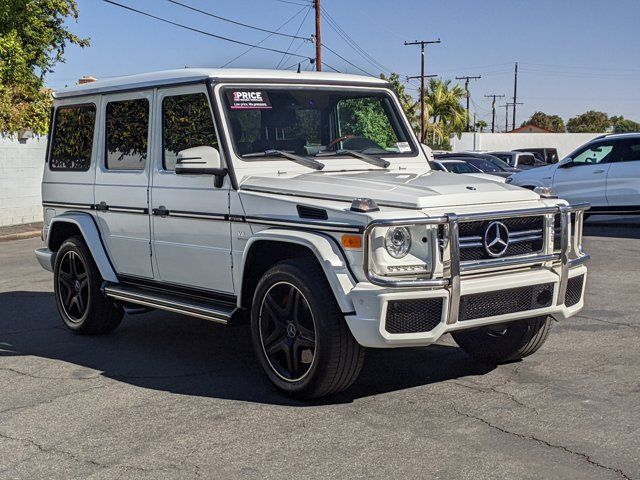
(409, 104)
(481, 125)
(623, 125)
(33, 38)
(444, 112)
(552, 123)
(589, 122)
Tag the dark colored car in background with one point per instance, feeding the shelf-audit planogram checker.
(483, 161)
(520, 160)
(547, 155)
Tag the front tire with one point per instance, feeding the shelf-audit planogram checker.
(77, 283)
(300, 335)
(504, 342)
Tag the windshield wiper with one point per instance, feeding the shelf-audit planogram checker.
(307, 162)
(377, 161)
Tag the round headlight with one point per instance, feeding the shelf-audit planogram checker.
(397, 241)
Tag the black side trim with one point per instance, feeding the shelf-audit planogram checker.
(337, 227)
(180, 290)
(627, 209)
(83, 206)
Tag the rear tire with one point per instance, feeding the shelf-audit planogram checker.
(504, 342)
(300, 335)
(77, 283)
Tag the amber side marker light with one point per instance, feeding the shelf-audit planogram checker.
(352, 241)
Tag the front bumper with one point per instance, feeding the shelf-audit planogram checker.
(369, 322)
(466, 295)
(46, 258)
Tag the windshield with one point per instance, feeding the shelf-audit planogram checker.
(460, 167)
(484, 165)
(505, 157)
(310, 121)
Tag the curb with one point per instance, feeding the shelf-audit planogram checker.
(20, 235)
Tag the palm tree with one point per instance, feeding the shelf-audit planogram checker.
(443, 109)
(481, 125)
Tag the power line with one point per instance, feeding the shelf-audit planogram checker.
(265, 39)
(347, 38)
(209, 14)
(350, 63)
(202, 32)
(284, 56)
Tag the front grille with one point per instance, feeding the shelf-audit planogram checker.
(502, 302)
(574, 291)
(525, 237)
(413, 316)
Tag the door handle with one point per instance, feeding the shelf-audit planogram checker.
(161, 211)
(598, 171)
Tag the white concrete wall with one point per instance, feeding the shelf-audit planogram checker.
(21, 166)
(565, 143)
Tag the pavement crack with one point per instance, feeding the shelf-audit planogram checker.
(563, 448)
(494, 389)
(623, 324)
(51, 400)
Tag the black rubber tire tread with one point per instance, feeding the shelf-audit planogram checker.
(340, 356)
(102, 315)
(523, 338)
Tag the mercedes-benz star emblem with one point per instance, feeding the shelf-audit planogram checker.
(496, 239)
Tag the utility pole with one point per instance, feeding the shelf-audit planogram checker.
(466, 87)
(515, 95)
(506, 116)
(316, 4)
(422, 44)
(511, 104)
(493, 107)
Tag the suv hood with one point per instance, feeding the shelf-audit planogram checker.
(397, 189)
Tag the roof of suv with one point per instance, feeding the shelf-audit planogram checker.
(192, 75)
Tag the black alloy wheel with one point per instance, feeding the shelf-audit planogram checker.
(73, 286)
(287, 331)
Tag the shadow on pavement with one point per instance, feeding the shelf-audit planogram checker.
(612, 226)
(187, 356)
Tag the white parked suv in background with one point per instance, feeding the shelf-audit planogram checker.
(303, 203)
(605, 173)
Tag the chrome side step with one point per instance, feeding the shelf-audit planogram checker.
(220, 313)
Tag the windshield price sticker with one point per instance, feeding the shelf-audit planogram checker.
(248, 100)
(403, 146)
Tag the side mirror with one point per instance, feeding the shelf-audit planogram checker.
(201, 161)
(566, 163)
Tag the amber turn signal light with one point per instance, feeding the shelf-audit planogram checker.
(352, 241)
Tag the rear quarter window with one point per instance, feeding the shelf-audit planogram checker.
(72, 138)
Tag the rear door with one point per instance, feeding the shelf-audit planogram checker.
(122, 181)
(584, 178)
(623, 180)
(191, 229)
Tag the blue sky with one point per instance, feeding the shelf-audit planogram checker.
(573, 55)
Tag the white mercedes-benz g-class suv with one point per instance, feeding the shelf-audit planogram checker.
(304, 203)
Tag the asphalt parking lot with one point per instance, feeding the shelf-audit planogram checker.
(174, 397)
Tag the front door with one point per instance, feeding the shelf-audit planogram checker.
(584, 178)
(191, 231)
(623, 181)
(122, 181)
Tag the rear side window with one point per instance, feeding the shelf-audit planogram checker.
(526, 160)
(186, 123)
(72, 139)
(127, 124)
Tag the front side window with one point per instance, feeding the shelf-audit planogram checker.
(310, 121)
(631, 151)
(72, 139)
(186, 123)
(600, 153)
(127, 133)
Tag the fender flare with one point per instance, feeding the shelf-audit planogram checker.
(89, 231)
(326, 251)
